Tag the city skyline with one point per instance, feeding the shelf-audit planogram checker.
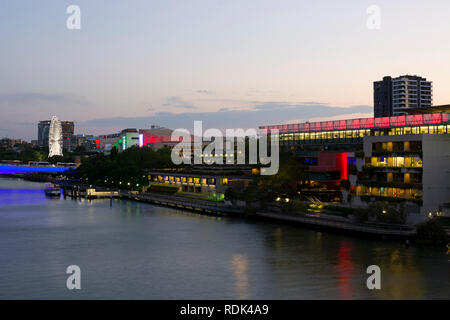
(227, 63)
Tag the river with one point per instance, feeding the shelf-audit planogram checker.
(134, 250)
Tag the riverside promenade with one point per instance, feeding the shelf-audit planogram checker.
(209, 207)
(391, 231)
(200, 205)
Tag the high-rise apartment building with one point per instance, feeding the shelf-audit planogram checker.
(396, 96)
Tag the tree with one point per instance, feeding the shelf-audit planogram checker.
(386, 212)
(431, 232)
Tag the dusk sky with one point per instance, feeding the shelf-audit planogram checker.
(231, 63)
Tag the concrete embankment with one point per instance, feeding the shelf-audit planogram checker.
(392, 231)
(209, 207)
(203, 206)
(219, 208)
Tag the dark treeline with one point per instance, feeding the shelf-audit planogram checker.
(26, 153)
(125, 170)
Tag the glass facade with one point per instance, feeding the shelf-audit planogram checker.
(354, 130)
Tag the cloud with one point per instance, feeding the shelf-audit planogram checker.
(286, 105)
(177, 102)
(33, 98)
(258, 115)
(206, 92)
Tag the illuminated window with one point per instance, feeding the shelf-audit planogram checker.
(224, 181)
(423, 130)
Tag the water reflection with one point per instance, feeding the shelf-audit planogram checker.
(345, 269)
(240, 266)
(401, 278)
(139, 250)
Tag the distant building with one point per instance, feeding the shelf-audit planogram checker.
(68, 128)
(128, 138)
(156, 137)
(7, 143)
(107, 141)
(396, 96)
(382, 97)
(88, 142)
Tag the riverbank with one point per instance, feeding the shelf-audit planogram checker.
(326, 223)
(355, 228)
(133, 250)
(323, 222)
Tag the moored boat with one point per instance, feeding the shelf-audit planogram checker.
(52, 190)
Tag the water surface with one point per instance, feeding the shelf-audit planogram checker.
(133, 250)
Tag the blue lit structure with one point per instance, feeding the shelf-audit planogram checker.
(31, 169)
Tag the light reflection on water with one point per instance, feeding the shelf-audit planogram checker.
(240, 262)
(135, 250)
